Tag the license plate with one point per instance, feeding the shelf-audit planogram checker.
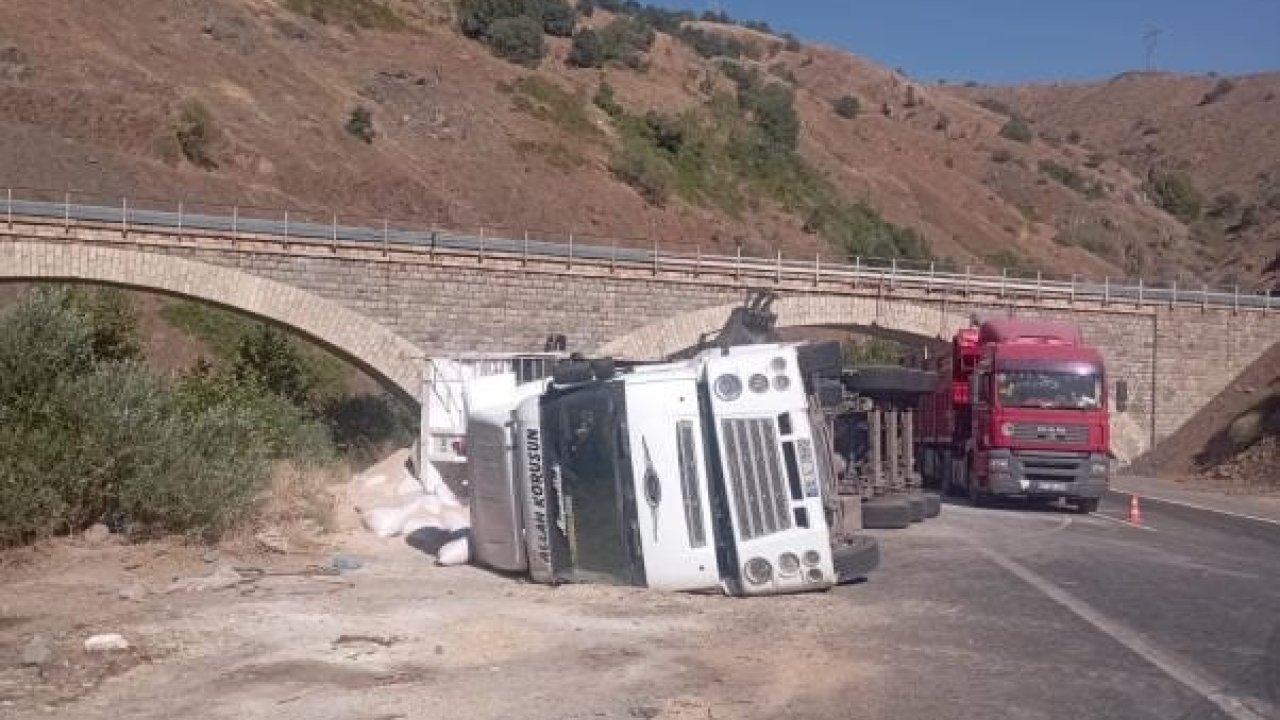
(1052, 486)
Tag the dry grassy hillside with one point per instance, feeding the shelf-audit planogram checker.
(102, 97)
(1221, 134)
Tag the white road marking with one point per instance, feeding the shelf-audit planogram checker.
(1125, 523)
(1194, 506)
(1172, 666)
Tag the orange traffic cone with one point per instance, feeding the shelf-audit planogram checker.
(1134, 516)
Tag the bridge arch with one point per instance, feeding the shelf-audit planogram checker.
(893, 317)
(368, 344)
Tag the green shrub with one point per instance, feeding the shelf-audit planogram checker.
(587, 50)
(643, 170)
(1074, 137)
(367, 14)
(793, 43)
(1063, 174)
(1220, 89)
(549, 102)
(1017, 129)
(624, 39)
(848, 107)
(517, 39)
(994, 105)
(558, 19)
(360, 124)
(196, 133)
(606, 101)
(711, 44)
(476, 16)
(1175, 193)
(872, 351)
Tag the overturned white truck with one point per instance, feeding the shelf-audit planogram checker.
(701, 474)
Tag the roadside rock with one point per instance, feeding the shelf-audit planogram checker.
(13, 63)
(137, 592)
(222, 578)
(109, 642)
(97, 534)
(37, 652)
(273, 540)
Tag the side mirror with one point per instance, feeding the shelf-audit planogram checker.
(1122, 396)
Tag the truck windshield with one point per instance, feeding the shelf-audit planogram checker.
(592, 485)
(1062, 389)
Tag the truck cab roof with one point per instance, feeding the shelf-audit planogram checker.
(1033, 332)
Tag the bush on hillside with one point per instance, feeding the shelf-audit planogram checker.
(587, 50)
(711, 44)
(1063, 174)
(558, 19)
(605, 100)
(1220, 89)
(848, 107)
(517, 39)
(196, 133)
(1017, 129)
(1175, 193)
(360, 124)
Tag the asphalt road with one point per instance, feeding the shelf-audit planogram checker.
(1024, 613)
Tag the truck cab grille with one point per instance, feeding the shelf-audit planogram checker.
(753, 472)
(1051, 433)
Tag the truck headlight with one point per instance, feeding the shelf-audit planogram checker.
(781, 383)
(1098, 468)
(998, 464)
(1006, 429)
(758, 571)
(815, 575)
(758, 383)
(812, 558)
(728, 387)
(778, 364)
(788, 564)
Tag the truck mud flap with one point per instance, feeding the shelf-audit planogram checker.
(888, 513)
(857, 559)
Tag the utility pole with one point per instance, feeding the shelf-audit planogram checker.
(1151, 39)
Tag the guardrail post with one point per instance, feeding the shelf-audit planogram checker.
(778, 267)
(857, 270)
(1106, 290)
(524, 249)
(932, 270)
(737, 268)
(286, 228)
(124, 217)
(1173, 297)
(386, 231)
(333, 243)
(9, 208)
(893, 279)
(1235, 298)
(1139, 291)
(1004, 279)
(570, 263)
(180, 209)
(655, 254)
(817, 269)
(1204, 297)
(66, 214)
(235, 223)
(968, 270)
(613, 256)
(1039, 279)
(697, 263)
(480, 256)
(1073, 289)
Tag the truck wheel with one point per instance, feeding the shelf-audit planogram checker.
(856, 559)
(932, 505)
(1084, 506)
(886, 513)
(919, 508)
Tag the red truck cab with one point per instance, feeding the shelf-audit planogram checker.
(1022, 414)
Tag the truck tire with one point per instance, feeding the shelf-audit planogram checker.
(856, 559)
(1084, 506)
(932, 505)
(919, 508)
(886, 513)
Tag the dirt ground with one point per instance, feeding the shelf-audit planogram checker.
(397, 638)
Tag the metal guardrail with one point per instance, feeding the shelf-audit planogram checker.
(888, 273)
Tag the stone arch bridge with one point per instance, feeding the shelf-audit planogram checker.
(388, 305)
